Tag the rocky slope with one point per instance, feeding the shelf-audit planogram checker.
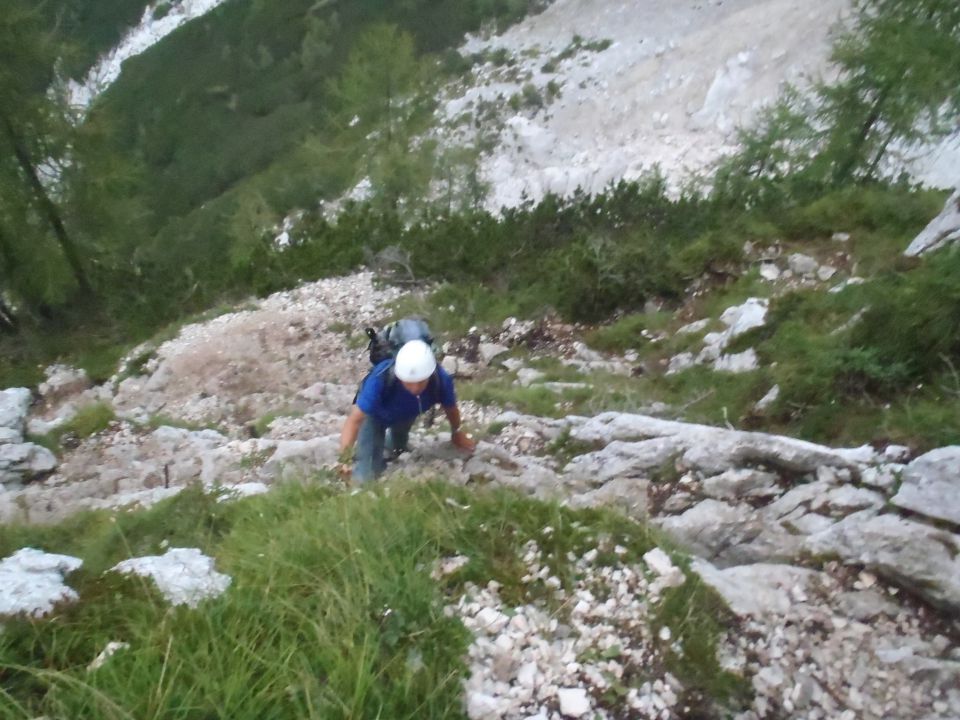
(588, 93)
(841, 565)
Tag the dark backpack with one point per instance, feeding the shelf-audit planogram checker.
(385, 344)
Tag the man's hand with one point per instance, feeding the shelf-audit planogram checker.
(344, 465)
(463, 441)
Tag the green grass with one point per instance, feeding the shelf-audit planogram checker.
(331, 613)
(89, 420)
(261, 425)
(696, 395)
(501, 392)
(565, 448)
(623, 334)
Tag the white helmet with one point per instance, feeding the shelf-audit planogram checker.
(415, 362)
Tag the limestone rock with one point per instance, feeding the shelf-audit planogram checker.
(931, 485)
(621, 459)
(769, 272)
(942, 230)
(449, 363)
(300, 457)
(626, 494)
(847, 499)
(715, 450)
(681, 362)
(24, 461)
(61, 381)
(694, 327)
(745, 361)
(494, 464)
(806, 523)
(574, 702)
(711, 526)
(741, 318)
(490, 351)
(802, 264)
(332, 395)
(864, 605)
(14, 403)
(767, 400)
(31, 582)
(825, 272)
(799, 496)
(923, 559)
(882, 476)
(761, 589)
(733, 484)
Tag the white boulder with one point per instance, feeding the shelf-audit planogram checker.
(31, 582)
(14, 404)
(942, 230)
(931, 485)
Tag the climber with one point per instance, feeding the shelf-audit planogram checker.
(391, 397)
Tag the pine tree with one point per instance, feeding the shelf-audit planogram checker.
(899, 68)
(376, 98)
(897, 84)
(380, 73)
(32, 131)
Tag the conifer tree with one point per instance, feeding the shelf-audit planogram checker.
(897, 85)
(33, 129)
(899, 68)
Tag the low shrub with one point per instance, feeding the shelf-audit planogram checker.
(913, 319)
(623, 334)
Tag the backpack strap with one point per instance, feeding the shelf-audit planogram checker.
(390, 381)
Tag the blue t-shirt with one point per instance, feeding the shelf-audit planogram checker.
(386, 400)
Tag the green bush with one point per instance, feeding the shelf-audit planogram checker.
(531, 96)
(621, 335)
(894, 210)
(714, 251)
(913, 319)
(901, 350)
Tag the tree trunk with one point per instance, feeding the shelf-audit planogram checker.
(6, 253)
(879, 156)
(843, 173)
(47, 206)
(8, 320)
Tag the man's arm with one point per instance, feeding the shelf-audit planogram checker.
(457, 436)
(351, 428)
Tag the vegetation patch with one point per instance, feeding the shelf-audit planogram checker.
(332, 610)
(89, 420)
(622, 335)
(261, 426)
